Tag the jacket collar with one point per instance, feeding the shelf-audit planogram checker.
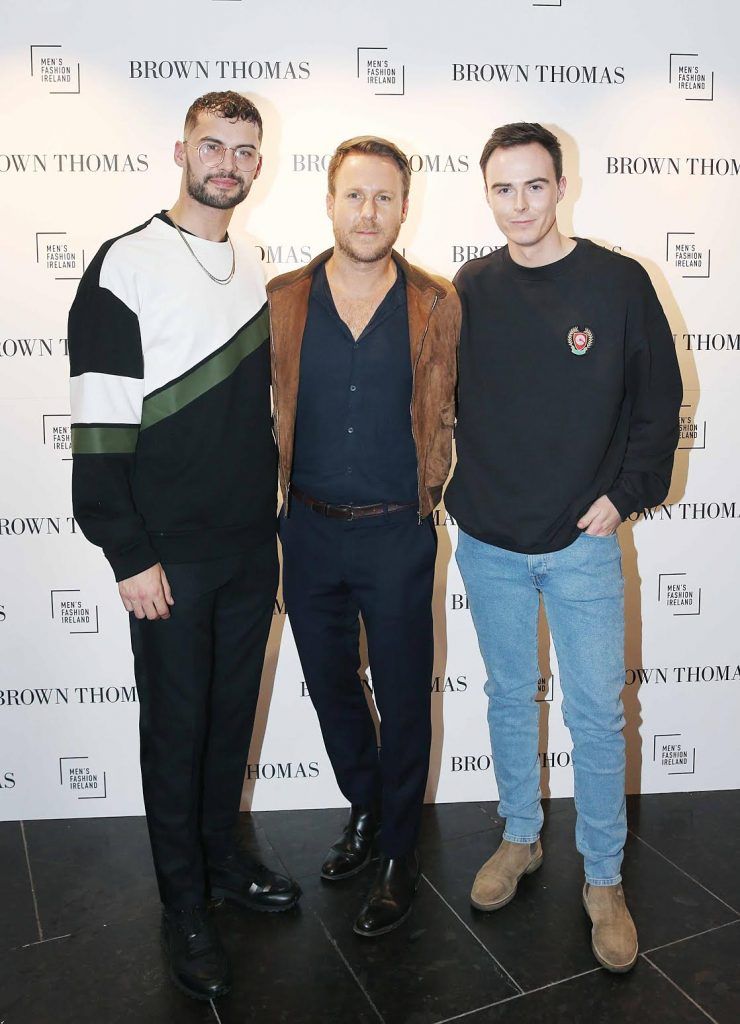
(414, 276)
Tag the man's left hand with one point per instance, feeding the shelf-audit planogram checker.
(601, 519)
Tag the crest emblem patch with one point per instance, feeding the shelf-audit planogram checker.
(580, 340)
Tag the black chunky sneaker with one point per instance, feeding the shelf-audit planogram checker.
(242, 879)
(197, 961)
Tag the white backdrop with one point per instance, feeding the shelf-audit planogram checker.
(645, 100)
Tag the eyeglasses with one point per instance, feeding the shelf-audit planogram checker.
(212, 154)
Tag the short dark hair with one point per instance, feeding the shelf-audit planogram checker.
(521, 134)
(372, 145)
(230, 105)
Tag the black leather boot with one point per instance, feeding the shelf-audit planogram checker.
(354, 850)
(242, 879)
(389, 901)
(197, 961)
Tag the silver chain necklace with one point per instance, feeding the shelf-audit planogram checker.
(218, 280)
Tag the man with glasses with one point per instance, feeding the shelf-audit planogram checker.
(174, 477)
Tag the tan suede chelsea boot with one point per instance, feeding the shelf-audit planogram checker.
(496, 882)
(613, 936)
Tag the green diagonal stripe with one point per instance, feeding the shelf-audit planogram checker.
(104, 440)
(215, 370)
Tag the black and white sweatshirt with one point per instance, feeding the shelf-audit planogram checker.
(173, 452)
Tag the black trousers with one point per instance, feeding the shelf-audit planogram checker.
(383, 568)
(198, 677)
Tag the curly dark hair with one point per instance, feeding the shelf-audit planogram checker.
(230, 105)
(520, 134)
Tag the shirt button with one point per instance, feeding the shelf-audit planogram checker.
(353, 387)
(349, 469)
(350, 430)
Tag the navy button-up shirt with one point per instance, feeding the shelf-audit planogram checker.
(353, 439)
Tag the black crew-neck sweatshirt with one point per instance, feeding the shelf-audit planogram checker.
(569, 389)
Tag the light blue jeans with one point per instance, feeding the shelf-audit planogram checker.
(583, 592)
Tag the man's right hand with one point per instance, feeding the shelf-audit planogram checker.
(147, 594)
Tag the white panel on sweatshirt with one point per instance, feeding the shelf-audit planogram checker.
(106, 398)
(184, 316)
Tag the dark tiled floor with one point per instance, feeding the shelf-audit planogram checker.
(287, 971)
(86, 949)
(89, 871)
(17, 919)
(704, 968)
(700, 835)
(107, 974)
(597, 998)
(432, 969)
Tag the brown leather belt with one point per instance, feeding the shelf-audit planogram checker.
(349, 511)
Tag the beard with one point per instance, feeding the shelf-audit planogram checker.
(343, 240)
(197, 190)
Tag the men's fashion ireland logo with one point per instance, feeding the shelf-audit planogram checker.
(54, 69)
(58, 254)
(672, 753)
(73, 612)
(685, 251)
(580, 340)
(85, 781)
(691, 76)
(378, 69)
(679, 594)
(57, 434)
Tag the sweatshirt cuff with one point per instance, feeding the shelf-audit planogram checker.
(622, 501)
(132, 560)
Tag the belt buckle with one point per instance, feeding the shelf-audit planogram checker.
(346, 512)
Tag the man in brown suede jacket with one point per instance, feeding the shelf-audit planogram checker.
(364, 352)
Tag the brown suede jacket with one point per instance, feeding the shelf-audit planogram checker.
(434, 331)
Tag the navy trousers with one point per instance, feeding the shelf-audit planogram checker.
(383, 569)
(198, 678)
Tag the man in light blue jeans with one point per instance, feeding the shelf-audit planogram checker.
(568, 403)
(582, 590)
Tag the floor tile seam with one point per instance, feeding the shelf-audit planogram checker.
(519, 995)
(273, 847)
(454, 839)
(33, 887)
(42, 942)
(686, 874)
(470, 931)
(493, 818)
(678, 988)
(333, 942)
(696, 935)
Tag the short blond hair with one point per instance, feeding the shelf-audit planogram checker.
(371, 145)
